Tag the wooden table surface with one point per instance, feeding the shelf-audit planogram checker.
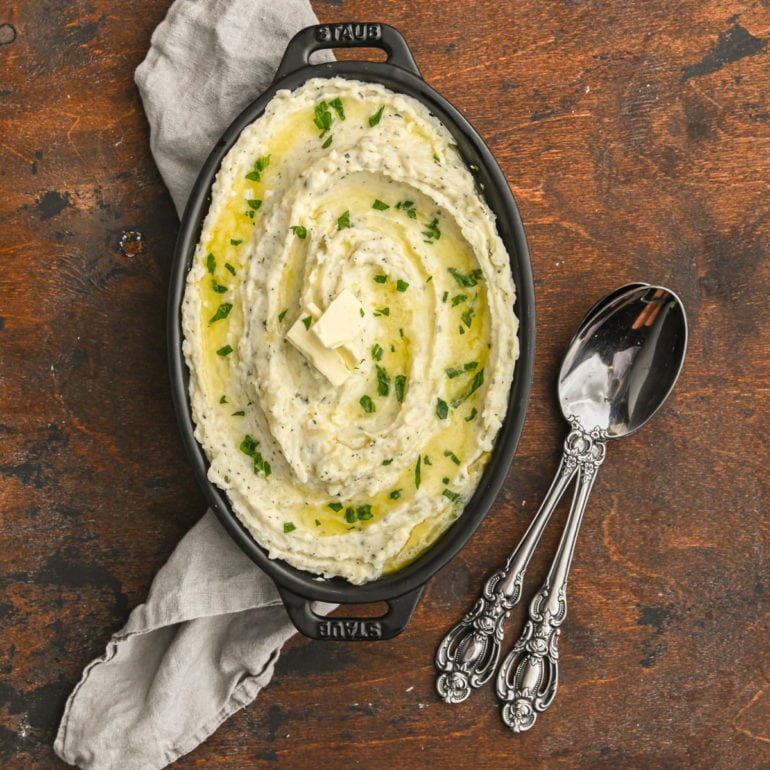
(636, 140)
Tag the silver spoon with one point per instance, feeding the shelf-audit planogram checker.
(620, 367)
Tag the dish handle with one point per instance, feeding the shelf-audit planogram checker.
(351, 629)
(346, 35)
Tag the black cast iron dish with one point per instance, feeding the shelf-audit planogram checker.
(400, 590)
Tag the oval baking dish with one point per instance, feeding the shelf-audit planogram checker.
(400, 589)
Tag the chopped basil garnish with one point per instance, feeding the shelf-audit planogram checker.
(383, 381)
(395, 494)
(467, 316)
(452, 456)
(222, 312)
(364, 512)
(388, 461)
(217, 287)
(380, 278)
(408, 207)
(307, 320)
(399, 385)
(453, 496)
(442, 410)
(327, 143)
(282, 315)
(337, 106)
(350, 515)
(472, 415)
(417, 472)
(235, 242)
(476, 383)
(401, 285)
(377, 352)
(426, 460)
(299, 231)
(259, 166)
(380, 205)
(444, 296)
(254, 203)
(288, 527)
(223, 400)
(230, 269)
(250, 447)
(211, 263)
(239, 413)
(433, 233)
(224, 351)
(344, 221)
(382, 311)
(367, 404)
(377, 117)
(336, 507)
(466, 280)
(322, 117)
(458, 298)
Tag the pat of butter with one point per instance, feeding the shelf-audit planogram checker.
(341, 322)
(328, 361)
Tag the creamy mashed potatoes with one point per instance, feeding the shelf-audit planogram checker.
(349, 329)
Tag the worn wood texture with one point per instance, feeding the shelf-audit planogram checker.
(636, 138)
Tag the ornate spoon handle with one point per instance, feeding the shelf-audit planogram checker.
(469, 653)
(529, 676)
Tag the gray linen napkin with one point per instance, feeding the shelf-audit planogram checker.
(206, 640)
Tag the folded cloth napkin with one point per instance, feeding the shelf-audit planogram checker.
(206, 640)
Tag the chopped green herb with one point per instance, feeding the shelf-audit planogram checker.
(408, 207)
(466, 280)
(382, 311)
(223, 400)
(336, 507)
(288, 527)
(350, 515)
(327, 143)
(224, 351)
(317, 523)
(467, 316)
(250, 447)
(235, 242)
(453, 372)
(399, 385)
(452, 456)
(472, 415)
(458, 298)
(453, 496)
(217, 287)
(380, 205)
(470, 366)
(444, 296)
(377, 117)
(230, 269)
(401, 285)
(364, 512)
(322, 117)
(442, 410)
(344, 221)
(259, 166)
(249, 214)
(361, 311)
(461, 329)
(299, 231)
(383, 381)
(337, 106)
(433, 233)
(239, 413)
(282, 315)
(388, 461)
(436, 158)
(400, 332)
(395, 494)
(476, 383)
(254, 203)
(380, 278)
(377, 352)
(307, 320)
(417, 472)
(222, 312)
(367, 404)
(211, 263)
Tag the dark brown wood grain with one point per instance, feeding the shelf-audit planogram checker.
(636, 139)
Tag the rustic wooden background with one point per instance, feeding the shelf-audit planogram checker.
(636, 138)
